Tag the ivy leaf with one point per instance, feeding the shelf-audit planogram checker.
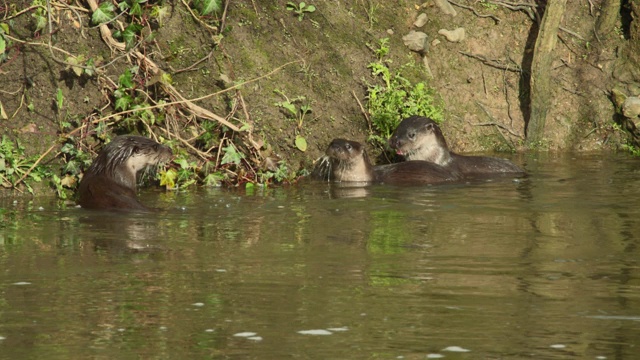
(135, 8)
(41, 21)
(168, 178)
(123, 103)
(231, 155)
(213, 179)
(126, 79)
(104, 13)
(75, 61)
(129, 35)
(160, 13)
(206, 7)
(301, 143)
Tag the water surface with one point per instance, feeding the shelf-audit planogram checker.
(544, 267)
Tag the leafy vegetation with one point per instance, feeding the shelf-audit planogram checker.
(300, 9)
(396, 97)
(296, 108)
(16, 166)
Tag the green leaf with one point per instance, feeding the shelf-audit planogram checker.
(126, 79)
(135, 8)
(129, 35)
(59, 99)
(301, 143)
(160, 13)
(168, 178)
(104, 13)
(123, 103)
(75, 61)
(231, 155)
(206, 7)
(310, 8)
(3, 45)
(213, 179)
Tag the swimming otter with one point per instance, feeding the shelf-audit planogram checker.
(349, 162)
(420, 138)
(110, 182)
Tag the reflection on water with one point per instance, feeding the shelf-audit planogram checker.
(544, 267)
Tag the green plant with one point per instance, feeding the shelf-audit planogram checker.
(279, 174)
(397, 97)
(297, 112)
(633, 150)
(4, 41)
(370, 8)
(185, 175)
(14, 165)
(300, 9)
(488, 5)
(206, 7)
(40, 15)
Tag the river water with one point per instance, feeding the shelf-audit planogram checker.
(544, 267)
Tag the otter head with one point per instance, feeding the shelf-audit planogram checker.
(125, 156)
(349, 161)
(420, 138)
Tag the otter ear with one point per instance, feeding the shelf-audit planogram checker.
(430, 126)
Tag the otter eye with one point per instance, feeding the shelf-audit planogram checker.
(348, 146)
(411, 135)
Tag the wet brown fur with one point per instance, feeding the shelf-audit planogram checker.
(350, 162)
(420, 138)
(110, 182)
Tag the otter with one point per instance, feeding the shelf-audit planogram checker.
(420, 138)
(110, 182)
(349, 162)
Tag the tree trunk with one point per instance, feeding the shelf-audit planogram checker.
(541, 91)
(608, 18)
(634, 32)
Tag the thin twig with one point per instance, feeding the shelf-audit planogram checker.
(192, 66)
(197, 18)
(34, 165)
(498, 64)
(364, 112)
(476, 13)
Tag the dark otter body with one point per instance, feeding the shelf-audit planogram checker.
(349, 162)
(110, 182)
(420, 138)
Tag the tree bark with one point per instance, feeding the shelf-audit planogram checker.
(541, 91)
(608, 18)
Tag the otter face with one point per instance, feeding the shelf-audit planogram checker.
(143, 156)
(419, 138)
(128, 155)
(344, 150)
(349, 161)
